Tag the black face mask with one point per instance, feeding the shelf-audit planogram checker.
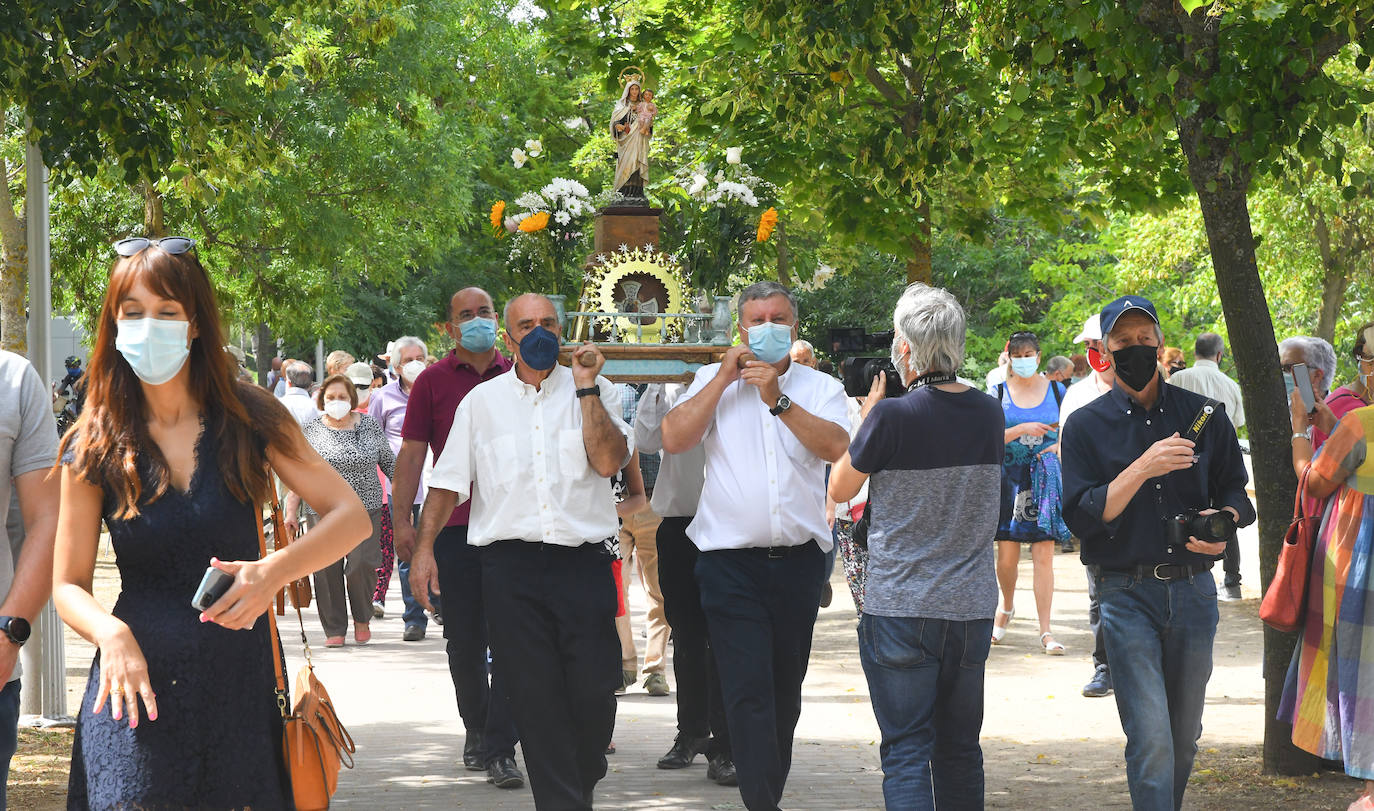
(1136, 365)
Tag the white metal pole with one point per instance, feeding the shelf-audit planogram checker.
(45, 664)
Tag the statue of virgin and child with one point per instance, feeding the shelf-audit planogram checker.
(632, 126)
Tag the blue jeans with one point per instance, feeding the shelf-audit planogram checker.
(925, 677)
(413, 613)
(1159, 640)
(9, 731)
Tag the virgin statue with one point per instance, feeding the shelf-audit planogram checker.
(632, 127)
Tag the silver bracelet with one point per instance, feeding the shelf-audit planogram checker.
(1299, 436)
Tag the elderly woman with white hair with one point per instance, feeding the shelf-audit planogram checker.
(933, 461)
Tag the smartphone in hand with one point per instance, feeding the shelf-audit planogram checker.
(212, 587)
(1302, 382)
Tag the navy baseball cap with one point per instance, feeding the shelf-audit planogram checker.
(1107, 318)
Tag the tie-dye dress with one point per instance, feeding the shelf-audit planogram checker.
(1327, 694)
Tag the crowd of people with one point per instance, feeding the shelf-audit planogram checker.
(525, 494)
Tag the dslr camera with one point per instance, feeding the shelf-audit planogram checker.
(1216, 527)
(859, 366)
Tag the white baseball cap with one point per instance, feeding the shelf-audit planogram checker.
(360, 373)
(1092, 330)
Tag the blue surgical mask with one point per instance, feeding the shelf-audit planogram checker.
(479, 334)
(539, 349)
(770, 342)
(154, 348)
(1288, 385)
(1024, 367)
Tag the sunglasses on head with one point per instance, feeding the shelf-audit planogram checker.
(172, 245)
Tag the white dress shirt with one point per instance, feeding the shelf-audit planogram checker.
(1206, 378)
(300, 404)
(518, 453)
(763, 487)
(680, 475)
(1079, 395)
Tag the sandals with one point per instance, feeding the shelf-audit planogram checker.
(1052, 648)
(1000, 631)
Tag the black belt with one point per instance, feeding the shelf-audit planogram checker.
(776, 552)
(1163, 571)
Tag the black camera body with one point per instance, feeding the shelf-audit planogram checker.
(1217, 527)
(859, 368)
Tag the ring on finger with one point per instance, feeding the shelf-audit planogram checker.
(116, 690)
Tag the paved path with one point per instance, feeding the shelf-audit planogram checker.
(1045, 745)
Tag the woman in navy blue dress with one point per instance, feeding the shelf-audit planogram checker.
(171, 452)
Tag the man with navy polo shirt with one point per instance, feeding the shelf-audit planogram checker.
(1134, 459)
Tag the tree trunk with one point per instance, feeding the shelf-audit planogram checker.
(918, 266)
(784, 257)
(264, 349)
(1334, 277)
(153, 226)
(14, 272)
(1232, 243)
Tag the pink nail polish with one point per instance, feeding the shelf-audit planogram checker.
(152, 716)
(133, 725)
(117, 715)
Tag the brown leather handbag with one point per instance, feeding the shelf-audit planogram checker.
(1284, 607)
(314, 742)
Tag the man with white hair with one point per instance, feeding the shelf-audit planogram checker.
(769, 426)
(933, 460)
(803, 352)
(297, 399)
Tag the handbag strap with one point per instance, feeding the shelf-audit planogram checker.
(278, 669)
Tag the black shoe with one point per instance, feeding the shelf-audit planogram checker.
(1066, 547)
(1101, 684)
(827, 594)
(413, 633)
(721, 771)
(684, 751)
(472, 752)
(1229, 594)
(503, 774)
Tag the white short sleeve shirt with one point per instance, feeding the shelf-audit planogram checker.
(518, 453)
(763, 487)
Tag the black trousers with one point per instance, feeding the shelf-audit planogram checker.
(700, 711)
(1230, 562)
(483, 707)
(551, 611)
(761, 608)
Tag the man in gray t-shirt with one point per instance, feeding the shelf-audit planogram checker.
(28, 451)
(933, 461)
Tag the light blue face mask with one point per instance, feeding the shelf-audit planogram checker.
(770, 342)
(1288, 385)
(1024, 367)
(155, 348)
(479, 334)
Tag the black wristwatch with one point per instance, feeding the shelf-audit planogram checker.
(590, 391)
(16, 628)
(784, 403)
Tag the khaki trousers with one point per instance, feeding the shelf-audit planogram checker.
(638, 539)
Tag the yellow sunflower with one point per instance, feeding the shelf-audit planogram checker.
(535, 222)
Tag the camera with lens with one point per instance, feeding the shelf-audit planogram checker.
(858, 369)
(1214, 527)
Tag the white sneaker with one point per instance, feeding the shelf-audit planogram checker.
(378, 610)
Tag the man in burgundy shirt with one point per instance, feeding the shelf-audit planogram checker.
(434, 398)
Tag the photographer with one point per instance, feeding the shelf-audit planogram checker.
(1130, 474)
(934, 457)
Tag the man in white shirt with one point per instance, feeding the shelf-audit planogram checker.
(1096, 384)
(769, 426)
(1206, 378)
(297, 398)
(701, 727)
(535, 448)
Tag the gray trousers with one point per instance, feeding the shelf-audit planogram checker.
(348, 583)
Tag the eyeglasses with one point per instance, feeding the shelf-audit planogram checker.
(1022, 334)
(464, 317)
(172, 245)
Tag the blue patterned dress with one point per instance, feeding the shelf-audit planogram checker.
(1023, 503)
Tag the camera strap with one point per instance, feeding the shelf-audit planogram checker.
(1204, 416)
(932, 379)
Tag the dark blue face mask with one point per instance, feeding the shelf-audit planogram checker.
(539, 349)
